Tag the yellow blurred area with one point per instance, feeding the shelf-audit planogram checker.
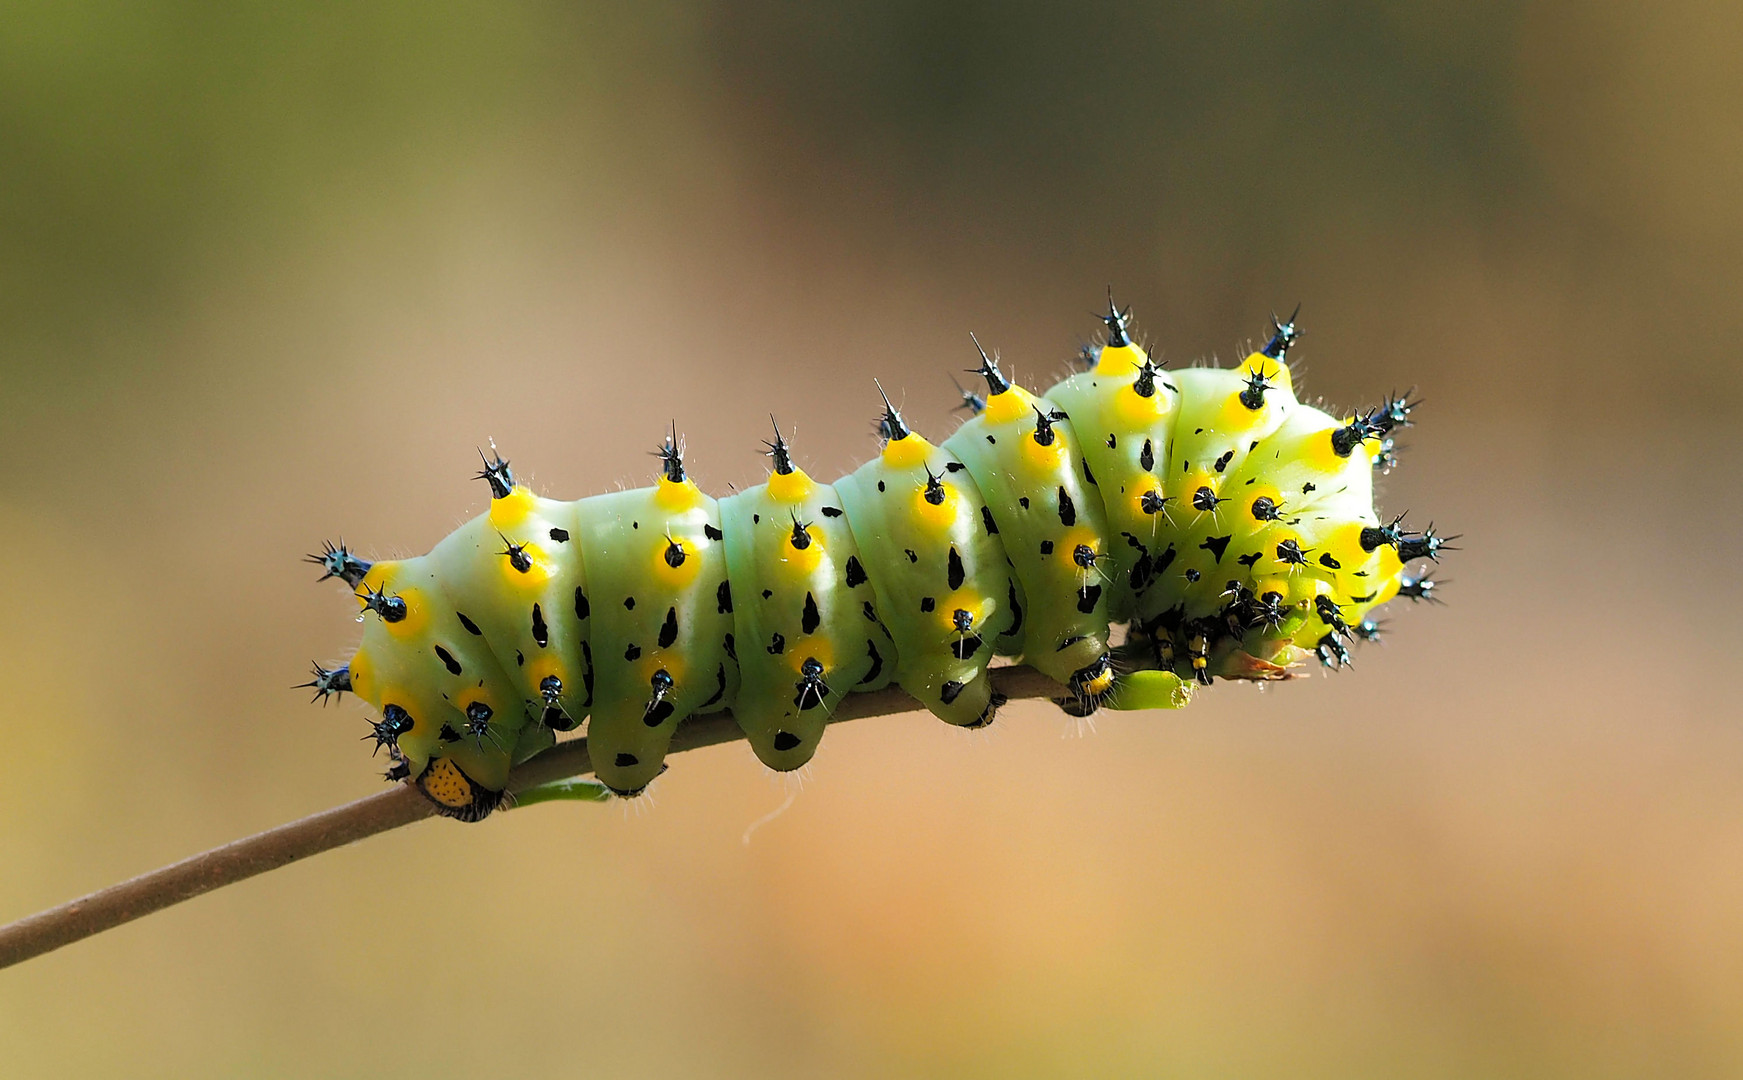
(270, 273)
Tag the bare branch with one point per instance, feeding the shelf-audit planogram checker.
(341, 825)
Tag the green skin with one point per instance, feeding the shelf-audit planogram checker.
(932, 588)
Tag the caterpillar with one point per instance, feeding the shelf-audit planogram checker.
(1227, 526)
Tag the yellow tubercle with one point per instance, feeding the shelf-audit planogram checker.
(793, 487)
(1138, 412)
(977, 606)
(689, 560)
(906, 452)
(417, 615)
(1043, 459)
(538, 569)
(380, 576)
(363, 677)
(544, 665)
(1275, 371)
(671, 661)
(1065, 550)
(802, 561)
(940, 516)
(513, 509)
(681, 495)
(1010, 405)
(815, 646)
(1119, 361)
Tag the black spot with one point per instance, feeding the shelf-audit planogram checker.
(869, 612)
(723, 598)
(809, 619)
(767, 593)
(1147, 457)
(561, 536)
(1193, 575)
(1112, 442)
(1089, 477)
(1166, 559)
(626, 761)
(634, 652)
(1016, 610)
(1088, 597)
(731, 647)
(448, 734)
(785, 740)
(756, 519)
(855, 572)
(519, 658)
(954, 466)
(1248, 560)
(992, 440)
(471, 627)
(1046, 547)
(1068, 643)
(1330, 563)
(1223, 462)
(629, 603)
(880, 485)
(582, 607)
(635, 524)
(964, 647)
(587, 672)
(1216, 545)
(719, 687)
(913, 558)
(1307, 487)
(927, 603)
(877, 663)
(1067, 509)
(953, 568)
(669, 629)
(541, 632)
(777, 645)
(950, 691)
(712, 533)
(1023, 501)
(986, 519)
(831, 511)
(448, 660)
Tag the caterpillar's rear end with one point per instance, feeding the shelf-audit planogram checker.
(1228, 526)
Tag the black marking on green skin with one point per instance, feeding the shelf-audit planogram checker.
(633, 652)
(809, 619)
(472, 627)
(561, 536)
(723, 599)
(1067, 509)
(777, 644)
(986, 520)
(541, 632)
(855, 573)
(669, 629)
(448, 661)
(1147, 456)
(877, 663)
(582, 608)
(1046, 547)
(1216, 545)
(954, 570)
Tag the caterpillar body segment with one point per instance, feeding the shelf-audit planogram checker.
(1231, 526)
(657, 566)
(944, 587)
(1021, 452)
(807, 630)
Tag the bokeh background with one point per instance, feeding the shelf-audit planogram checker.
(269, 273)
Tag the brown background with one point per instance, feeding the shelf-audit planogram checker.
(268, 276)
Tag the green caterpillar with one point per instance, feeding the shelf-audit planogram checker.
(1231, 527)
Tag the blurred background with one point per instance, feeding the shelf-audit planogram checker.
(270, 273)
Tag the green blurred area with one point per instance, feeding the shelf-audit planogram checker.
(269, 273)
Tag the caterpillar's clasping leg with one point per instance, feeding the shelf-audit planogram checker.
(1149, 690)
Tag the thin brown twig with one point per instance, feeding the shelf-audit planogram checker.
(341, 825)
